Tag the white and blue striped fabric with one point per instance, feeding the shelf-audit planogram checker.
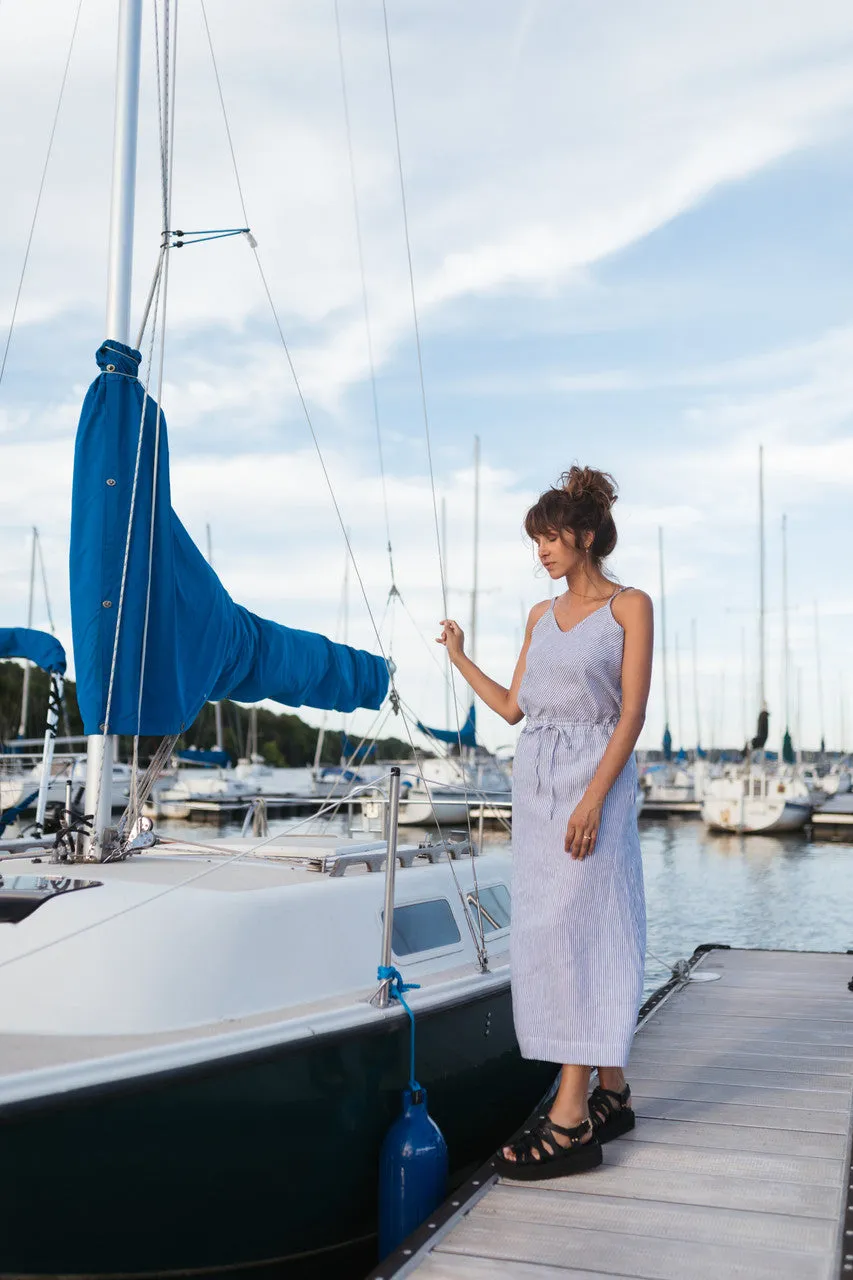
(578, 925)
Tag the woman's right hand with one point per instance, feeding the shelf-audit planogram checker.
(453, 639)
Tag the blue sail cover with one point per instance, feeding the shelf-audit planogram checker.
(352, 751)
(467, 735)
(201, 646)
(37, 646)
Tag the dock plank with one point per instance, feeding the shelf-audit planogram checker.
(610, 1253)
(675, 1221)
(708, 1072)
(668, 1186)
(738, 1166)
(720, 1137)
(448, 1266)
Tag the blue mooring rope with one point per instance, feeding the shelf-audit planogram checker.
(396, 989)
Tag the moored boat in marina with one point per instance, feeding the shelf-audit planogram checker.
(227, 1051)
(755, 797)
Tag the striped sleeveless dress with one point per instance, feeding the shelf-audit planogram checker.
(578, 925)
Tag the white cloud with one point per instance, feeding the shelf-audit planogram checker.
(538, 141)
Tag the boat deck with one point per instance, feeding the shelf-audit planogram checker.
(739, 1165)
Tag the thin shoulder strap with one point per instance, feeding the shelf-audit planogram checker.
(616, 593)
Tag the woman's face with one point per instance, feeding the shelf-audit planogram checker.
(557, 552)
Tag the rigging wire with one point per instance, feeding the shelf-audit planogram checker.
(364, 301)
(480, 944)
(424, 407)
(51, 137)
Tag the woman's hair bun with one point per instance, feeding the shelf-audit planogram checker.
(579, 503)
(585, 484)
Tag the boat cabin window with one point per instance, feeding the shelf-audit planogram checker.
(494, 907)
(423, 926)
(756, 787)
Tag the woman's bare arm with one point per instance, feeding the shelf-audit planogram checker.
(503, 701)
(633, 610)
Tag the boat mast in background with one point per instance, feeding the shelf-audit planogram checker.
(762, 690)
(447, 723)
(667, 736)
(475, 585)
(696, 685)
(679, 722)
(25, 690)
(787, 746)
(819, 679)
(99, 758)
(217, 706)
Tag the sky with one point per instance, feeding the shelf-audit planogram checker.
(630, 232)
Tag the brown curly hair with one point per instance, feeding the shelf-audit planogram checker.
(580, 503)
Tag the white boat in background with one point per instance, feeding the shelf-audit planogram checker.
(758, 797)
(63, 769)
(836, 781)
(668, 788)
(179, 795)
(446, 791)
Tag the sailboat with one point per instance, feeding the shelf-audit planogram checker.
(758, 796)
(196, 1058)
(667, 787)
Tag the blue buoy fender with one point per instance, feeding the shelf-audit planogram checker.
(412, 1172)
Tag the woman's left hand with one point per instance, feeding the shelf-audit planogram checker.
(582, 831)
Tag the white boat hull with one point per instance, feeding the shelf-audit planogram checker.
(758, 814)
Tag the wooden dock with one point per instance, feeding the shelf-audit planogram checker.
(834, 818)
(740, 1163)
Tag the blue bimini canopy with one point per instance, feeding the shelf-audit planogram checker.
(200, 645)
(467, 735)
(37, 646)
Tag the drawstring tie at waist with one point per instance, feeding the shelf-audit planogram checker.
(550, 733)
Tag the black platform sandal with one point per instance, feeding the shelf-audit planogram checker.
(610, 1120)
(538, 1154)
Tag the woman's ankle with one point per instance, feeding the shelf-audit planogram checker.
(612, 1079)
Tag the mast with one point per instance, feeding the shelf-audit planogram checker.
(99, 756)
(819, 679)
(743, 682)
(25, 690)
(444, 575)
(667, 736)
(679, 723)
(474, 580)
(762, 698)
(217, 706)
(695, 685)
(786, 660)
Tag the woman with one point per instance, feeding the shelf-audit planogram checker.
(578, 930)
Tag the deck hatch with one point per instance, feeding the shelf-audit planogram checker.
(21, 895)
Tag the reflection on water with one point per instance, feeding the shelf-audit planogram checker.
(751, 891)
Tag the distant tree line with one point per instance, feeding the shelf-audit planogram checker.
(284, 740)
